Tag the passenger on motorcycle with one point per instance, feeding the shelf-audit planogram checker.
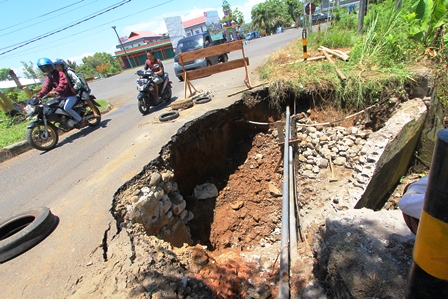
(156, 66)
(58, 81)
(76, 85)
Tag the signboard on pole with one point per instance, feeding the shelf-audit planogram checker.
(213, 25)
(175, 29)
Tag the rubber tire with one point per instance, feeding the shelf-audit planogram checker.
(181, 79)
(170, 93)
(225, 58)
(142, 107)
(202, 100)
(93, 122)
(52, 145)
(168, 116)
(22, 232)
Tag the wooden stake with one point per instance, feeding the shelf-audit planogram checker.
(341, 75)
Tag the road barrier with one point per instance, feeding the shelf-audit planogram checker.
(213, 69)
(428, 277)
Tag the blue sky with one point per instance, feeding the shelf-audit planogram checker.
(72, 29)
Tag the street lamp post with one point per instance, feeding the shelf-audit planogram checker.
(122, 47)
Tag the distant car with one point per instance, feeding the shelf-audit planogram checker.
(279, 30)
(194, 42)
(253, 35)
(321, 17)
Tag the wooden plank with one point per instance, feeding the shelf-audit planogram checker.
(217, 68)
(210, 51)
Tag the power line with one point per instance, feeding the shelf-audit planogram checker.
(48, 19)
(41, 16)
(68, 26)
(81, 32)
(65, 28)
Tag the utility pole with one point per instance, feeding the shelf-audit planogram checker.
(122, 47)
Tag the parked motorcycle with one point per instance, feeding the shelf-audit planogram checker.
(147, 94)
(50, 117)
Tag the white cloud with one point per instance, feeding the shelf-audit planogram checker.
(158, 25)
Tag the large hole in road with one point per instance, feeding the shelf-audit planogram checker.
(233, 156)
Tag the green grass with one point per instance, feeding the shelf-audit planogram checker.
(380, 65)
(13, 129)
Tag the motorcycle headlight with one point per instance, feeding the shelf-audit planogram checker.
(30, 109)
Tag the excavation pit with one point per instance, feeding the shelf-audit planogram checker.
(228, 242)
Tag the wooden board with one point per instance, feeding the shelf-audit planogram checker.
(217, 68)
(210, 51)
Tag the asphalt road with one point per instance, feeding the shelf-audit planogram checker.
(77, 179)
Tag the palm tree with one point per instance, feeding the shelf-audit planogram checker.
(269, 15)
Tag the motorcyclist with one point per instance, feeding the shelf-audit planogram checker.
(76, 85)
(57, 82)
(156, 66)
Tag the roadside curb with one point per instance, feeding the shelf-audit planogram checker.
(14, 150)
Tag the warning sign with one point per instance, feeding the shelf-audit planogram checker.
(310, 8)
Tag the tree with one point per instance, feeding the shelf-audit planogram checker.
(269, 15)
(103, 69)
(293, 8)
(90, 63)
(72, 64)
(4, 74)
(30, 72)
(238, 15)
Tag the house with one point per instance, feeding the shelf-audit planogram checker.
(195, 26)
(135, 46)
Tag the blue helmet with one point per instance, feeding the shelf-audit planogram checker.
(59, 61)
(46, 65)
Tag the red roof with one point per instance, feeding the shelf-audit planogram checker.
(193, 22)
(140, 34)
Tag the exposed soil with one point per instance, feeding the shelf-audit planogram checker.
(237, 234)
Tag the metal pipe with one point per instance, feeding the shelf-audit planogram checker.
(284, 254)
(294, 254)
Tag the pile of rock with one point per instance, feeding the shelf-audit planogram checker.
(160, 208)
(321, 147)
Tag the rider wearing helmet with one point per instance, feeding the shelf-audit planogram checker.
(58, 81)
(76, 84)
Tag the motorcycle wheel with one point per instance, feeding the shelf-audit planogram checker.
(35, 137)
(91, 119)
(169, 93)
(143, 107)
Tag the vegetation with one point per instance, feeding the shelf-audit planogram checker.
(381, 58)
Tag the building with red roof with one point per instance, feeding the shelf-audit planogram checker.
(136, 44)
(195, 26)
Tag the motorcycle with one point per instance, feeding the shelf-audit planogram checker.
(147, 94)
(50, 117)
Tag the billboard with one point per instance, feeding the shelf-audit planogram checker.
(213, 25)
(175, 29)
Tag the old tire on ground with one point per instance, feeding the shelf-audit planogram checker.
(168, 116)
(202, 100)
(21, 232)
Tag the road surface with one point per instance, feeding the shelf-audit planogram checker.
(77, 179)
